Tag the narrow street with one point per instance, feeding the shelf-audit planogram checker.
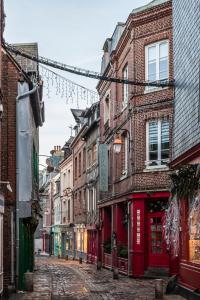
(59, 279)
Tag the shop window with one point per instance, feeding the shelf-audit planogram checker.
(157, 143)
(194, 229)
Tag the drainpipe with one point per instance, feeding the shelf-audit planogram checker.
(128, 211)
(19, 97)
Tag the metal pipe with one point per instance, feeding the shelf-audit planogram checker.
(17, 178)
(128, 211)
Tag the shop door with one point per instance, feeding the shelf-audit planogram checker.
(158, 256)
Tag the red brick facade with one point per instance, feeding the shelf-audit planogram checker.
(79, 179)
(142, 28)
(9, 89)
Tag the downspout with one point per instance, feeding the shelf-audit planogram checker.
(129, 257)
(19, 97)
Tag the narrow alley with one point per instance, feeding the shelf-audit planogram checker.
(60, 279)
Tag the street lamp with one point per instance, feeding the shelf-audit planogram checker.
(7, 185)
(117, 144)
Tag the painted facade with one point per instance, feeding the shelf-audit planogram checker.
(66, 191)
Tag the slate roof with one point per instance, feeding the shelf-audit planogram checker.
(149, 5)
(78, 115)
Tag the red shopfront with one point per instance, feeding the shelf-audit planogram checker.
(143, 235)
(189, 266)
(149, 251)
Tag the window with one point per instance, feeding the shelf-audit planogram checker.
(75, 168)
(157, 61)
(157, 143)
(89, 158)
(69, 178)
(79, 164)
(106, 110)
(68, 210)
(94, 154)
(194, 229)
(124, 153)
(125, 87)
(84, 159)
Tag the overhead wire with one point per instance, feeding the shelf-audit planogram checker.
(84, 72)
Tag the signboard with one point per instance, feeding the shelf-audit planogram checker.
(103, 168)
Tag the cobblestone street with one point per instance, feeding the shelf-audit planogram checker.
(59, 279)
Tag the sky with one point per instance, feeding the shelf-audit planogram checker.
(72, 32)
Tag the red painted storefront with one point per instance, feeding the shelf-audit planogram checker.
(189, 270)
(142, 235)
(138, 228)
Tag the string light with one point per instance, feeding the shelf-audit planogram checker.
(65, 88)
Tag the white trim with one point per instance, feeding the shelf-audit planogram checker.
(157, 45)
(158, 161)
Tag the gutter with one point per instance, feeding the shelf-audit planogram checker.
(19, 97)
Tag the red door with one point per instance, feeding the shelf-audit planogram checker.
(158, 256)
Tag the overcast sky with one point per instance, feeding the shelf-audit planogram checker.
(72, 32)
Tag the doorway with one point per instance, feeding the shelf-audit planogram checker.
(157, 252)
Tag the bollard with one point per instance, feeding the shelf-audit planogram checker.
(66, 257)
(98, 265)
(28, 279)
(80, 260)
(115, 273)
(159, 291)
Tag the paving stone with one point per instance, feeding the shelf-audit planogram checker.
(58, 279)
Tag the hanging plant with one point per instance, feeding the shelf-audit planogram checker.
(185, 181)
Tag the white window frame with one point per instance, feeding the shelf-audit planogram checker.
(107, 109)
(125, 87)
(157, 44)
(147, 162)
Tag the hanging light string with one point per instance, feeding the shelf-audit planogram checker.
(84, 72)
(65, 88)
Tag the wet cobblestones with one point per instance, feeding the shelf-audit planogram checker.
(58, 279)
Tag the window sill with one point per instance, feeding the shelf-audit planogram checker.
(156, 168)
(156, 89)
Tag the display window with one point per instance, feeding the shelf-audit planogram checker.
(194, 229)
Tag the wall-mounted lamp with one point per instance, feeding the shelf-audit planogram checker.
(7, 185)
(117, 144)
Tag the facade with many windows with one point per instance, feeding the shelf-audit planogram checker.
(91, 137)
(135, 142)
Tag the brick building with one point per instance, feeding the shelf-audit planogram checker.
(186, 138)
(79, 185)
(136, 133)
(22, 118)
(91, 137)
(1, 185)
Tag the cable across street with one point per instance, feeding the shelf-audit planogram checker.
(84, 72)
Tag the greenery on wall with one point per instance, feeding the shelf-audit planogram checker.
(185, 181)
